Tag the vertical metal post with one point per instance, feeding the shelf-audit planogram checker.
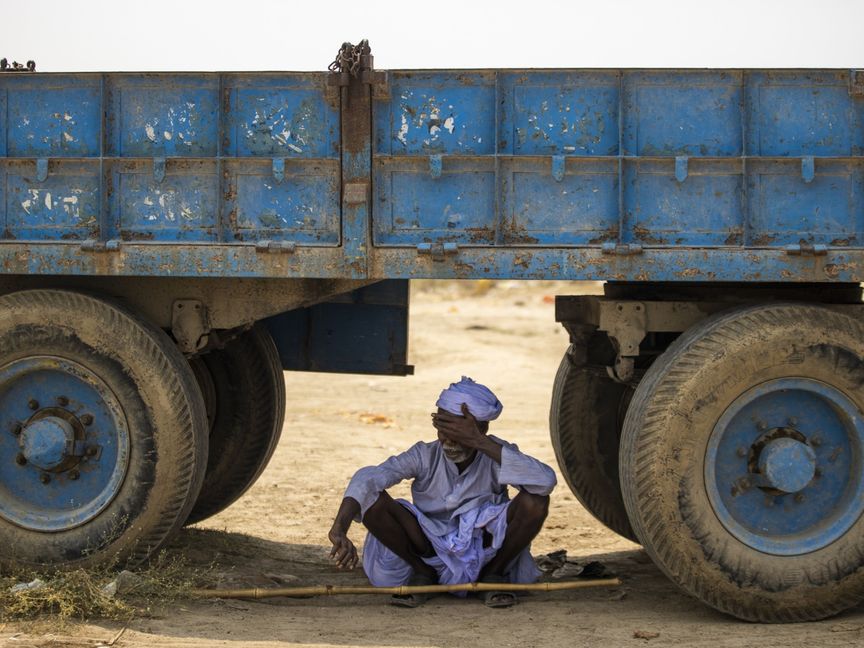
(104, 168)
(622, 222)
(746, 145)
(356, 156)
(222, 107)
(500, 203)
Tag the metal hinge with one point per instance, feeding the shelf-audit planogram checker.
(807, 249)
(622, 249)
(92, 245)
(437, 250)
(276, 247)
(856, 83)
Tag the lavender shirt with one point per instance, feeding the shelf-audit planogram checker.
(441, 492)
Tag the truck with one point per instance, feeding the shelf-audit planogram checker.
(173, 241)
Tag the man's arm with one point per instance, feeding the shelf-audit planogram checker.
(525, 472)
(344, 552)
(363, 490)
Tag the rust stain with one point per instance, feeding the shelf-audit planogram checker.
(646, 236)
(480, 234)
(734, 238)
(126, 235)
(689, 272)
(764, 239)
(609, 235)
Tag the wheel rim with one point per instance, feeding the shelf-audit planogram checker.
(64, 444)
(783, 467)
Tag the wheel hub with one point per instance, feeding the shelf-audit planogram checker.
(47, 442)
(64, 444)
(783, 466)
(787, 465)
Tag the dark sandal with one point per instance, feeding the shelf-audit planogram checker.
(498, 598)
(413, 600)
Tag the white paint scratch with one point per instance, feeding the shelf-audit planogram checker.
(151, 133)
(449, 124)
(48, 202)
(403, 130)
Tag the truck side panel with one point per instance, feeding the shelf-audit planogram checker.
(629, 175)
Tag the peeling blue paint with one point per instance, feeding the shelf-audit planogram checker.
(521, 173)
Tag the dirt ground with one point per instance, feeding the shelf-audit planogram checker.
(503, 335)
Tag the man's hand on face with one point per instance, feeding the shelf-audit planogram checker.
(459, 429)
(344, 553)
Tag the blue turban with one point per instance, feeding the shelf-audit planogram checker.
(482, 403)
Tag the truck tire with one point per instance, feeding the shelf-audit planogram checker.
(585, 422)
(102, 432)
(244, 392)
(741, 462)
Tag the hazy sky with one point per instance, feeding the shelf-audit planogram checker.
(84, 35)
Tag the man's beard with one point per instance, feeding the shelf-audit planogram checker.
(456, 452)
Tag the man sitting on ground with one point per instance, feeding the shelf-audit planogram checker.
(461, 527)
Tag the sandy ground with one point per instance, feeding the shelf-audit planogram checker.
(276, 534)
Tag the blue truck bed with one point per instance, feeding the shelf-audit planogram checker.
(635, 175)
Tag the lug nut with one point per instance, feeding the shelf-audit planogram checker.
(799, 497)
(817, 472)
(741, 452)
(792, 422)
(62, 401)
(761, 426)
(90, 451)
(45, 478)
(21, 460)
(33, 404)
(769, 501)
(816, 441)
(87, 419)
(73, 475)
(18, 429)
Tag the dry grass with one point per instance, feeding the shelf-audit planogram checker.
(79, 594)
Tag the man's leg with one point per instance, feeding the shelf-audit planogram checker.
(525, 517)
(398, 530)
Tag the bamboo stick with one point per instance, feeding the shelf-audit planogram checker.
(401, 590)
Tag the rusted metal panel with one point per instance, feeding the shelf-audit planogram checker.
(637, 175)
(739, 159)
(178, 206)
(169, 158)
(279, 115)
(162, 115)
(64, 205)
(300, 203)
(52, 115)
